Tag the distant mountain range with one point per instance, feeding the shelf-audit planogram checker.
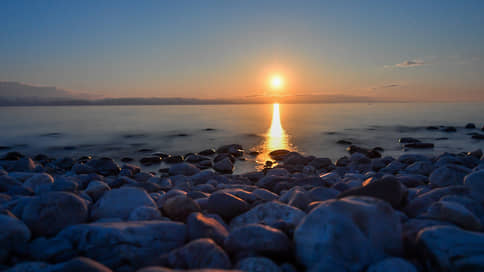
(19, 94)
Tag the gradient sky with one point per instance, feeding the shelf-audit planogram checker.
(425, 50)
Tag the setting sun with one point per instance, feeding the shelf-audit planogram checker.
(276, 82)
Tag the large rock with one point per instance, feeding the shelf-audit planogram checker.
(392, 264)
(448, 175)
(388, 189)
(475, 181)
(104, 166)
(257, 239)
(78, 264)
(96, 189)
(137, 243)
(255, 264)
(455, 213)
(226, 205)
(224, 166)
(38, 180)
(448, 248)
(14, 234)
(49, 213)
(199, 254)
(119, 203)
(185, 169)
(421, 203)
(51, 250)
(201, 226)
(270, 213)
(349, 233)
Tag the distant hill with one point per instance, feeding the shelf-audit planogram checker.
(19, 94)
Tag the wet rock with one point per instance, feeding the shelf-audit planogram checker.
(265, 195)
(421, 203)
(452, 249)
(207, 152)
(407, 140)
(179, 207)
(233, 149)
(392, 264)
(478, 136)
(411, 158)
(448, 175)
(257, 239)
(420, 168)
(119, 203)
(270, 213)
(150, 160)
(255, 264)
(224, 166)
(453, 212)
(470, 125)
(226, 205)
(49, 213)
(174, 159)
(127, 159)
(186, 169)
(14, 234)
(349, 233)
(370, 153)
(419, 145)
(387, 188)
(138, 243)
(279, 155)
(201, 226)
(448, 129)
(199, 254)
(104, 166)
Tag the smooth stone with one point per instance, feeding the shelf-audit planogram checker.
(350, 233)
(421, 203)
(186, 169)
(38, 180)
(224, 166)
(144, 213)
(226, 205)
(257, 264)
(119, 203)
(96, 189)
(411, 158)
(269, 213)
(475, 181)
(179, 207)
(201, 226)
(114, 244)
(233, 149)
(51, 250)
(104, 166)
(257, 239)
(49, 213)
(412, 227)
(406, 140)
(448, 175)
(392, 264)
(452, 249)
(420, 145)
(388, 189)
(420, 168)
(265, 195)
(470, 125)
(453, 212)
(199, 254)
(79, 264)
(14, 234)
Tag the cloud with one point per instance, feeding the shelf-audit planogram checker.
(407, 64)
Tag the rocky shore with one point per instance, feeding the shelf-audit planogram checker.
(363, 212)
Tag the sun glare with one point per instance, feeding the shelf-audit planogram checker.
(276, 82)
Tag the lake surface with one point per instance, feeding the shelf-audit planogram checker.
(313, 129)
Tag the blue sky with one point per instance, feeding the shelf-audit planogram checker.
(399, 49)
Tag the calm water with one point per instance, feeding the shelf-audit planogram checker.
(120, 131)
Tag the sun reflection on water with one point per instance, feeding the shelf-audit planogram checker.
(275, 138)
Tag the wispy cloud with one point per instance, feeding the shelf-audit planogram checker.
(408, 64)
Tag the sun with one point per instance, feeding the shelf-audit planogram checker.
(276, 82)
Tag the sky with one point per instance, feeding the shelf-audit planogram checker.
(407, 50)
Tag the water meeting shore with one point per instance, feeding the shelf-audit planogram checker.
(363, 212)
